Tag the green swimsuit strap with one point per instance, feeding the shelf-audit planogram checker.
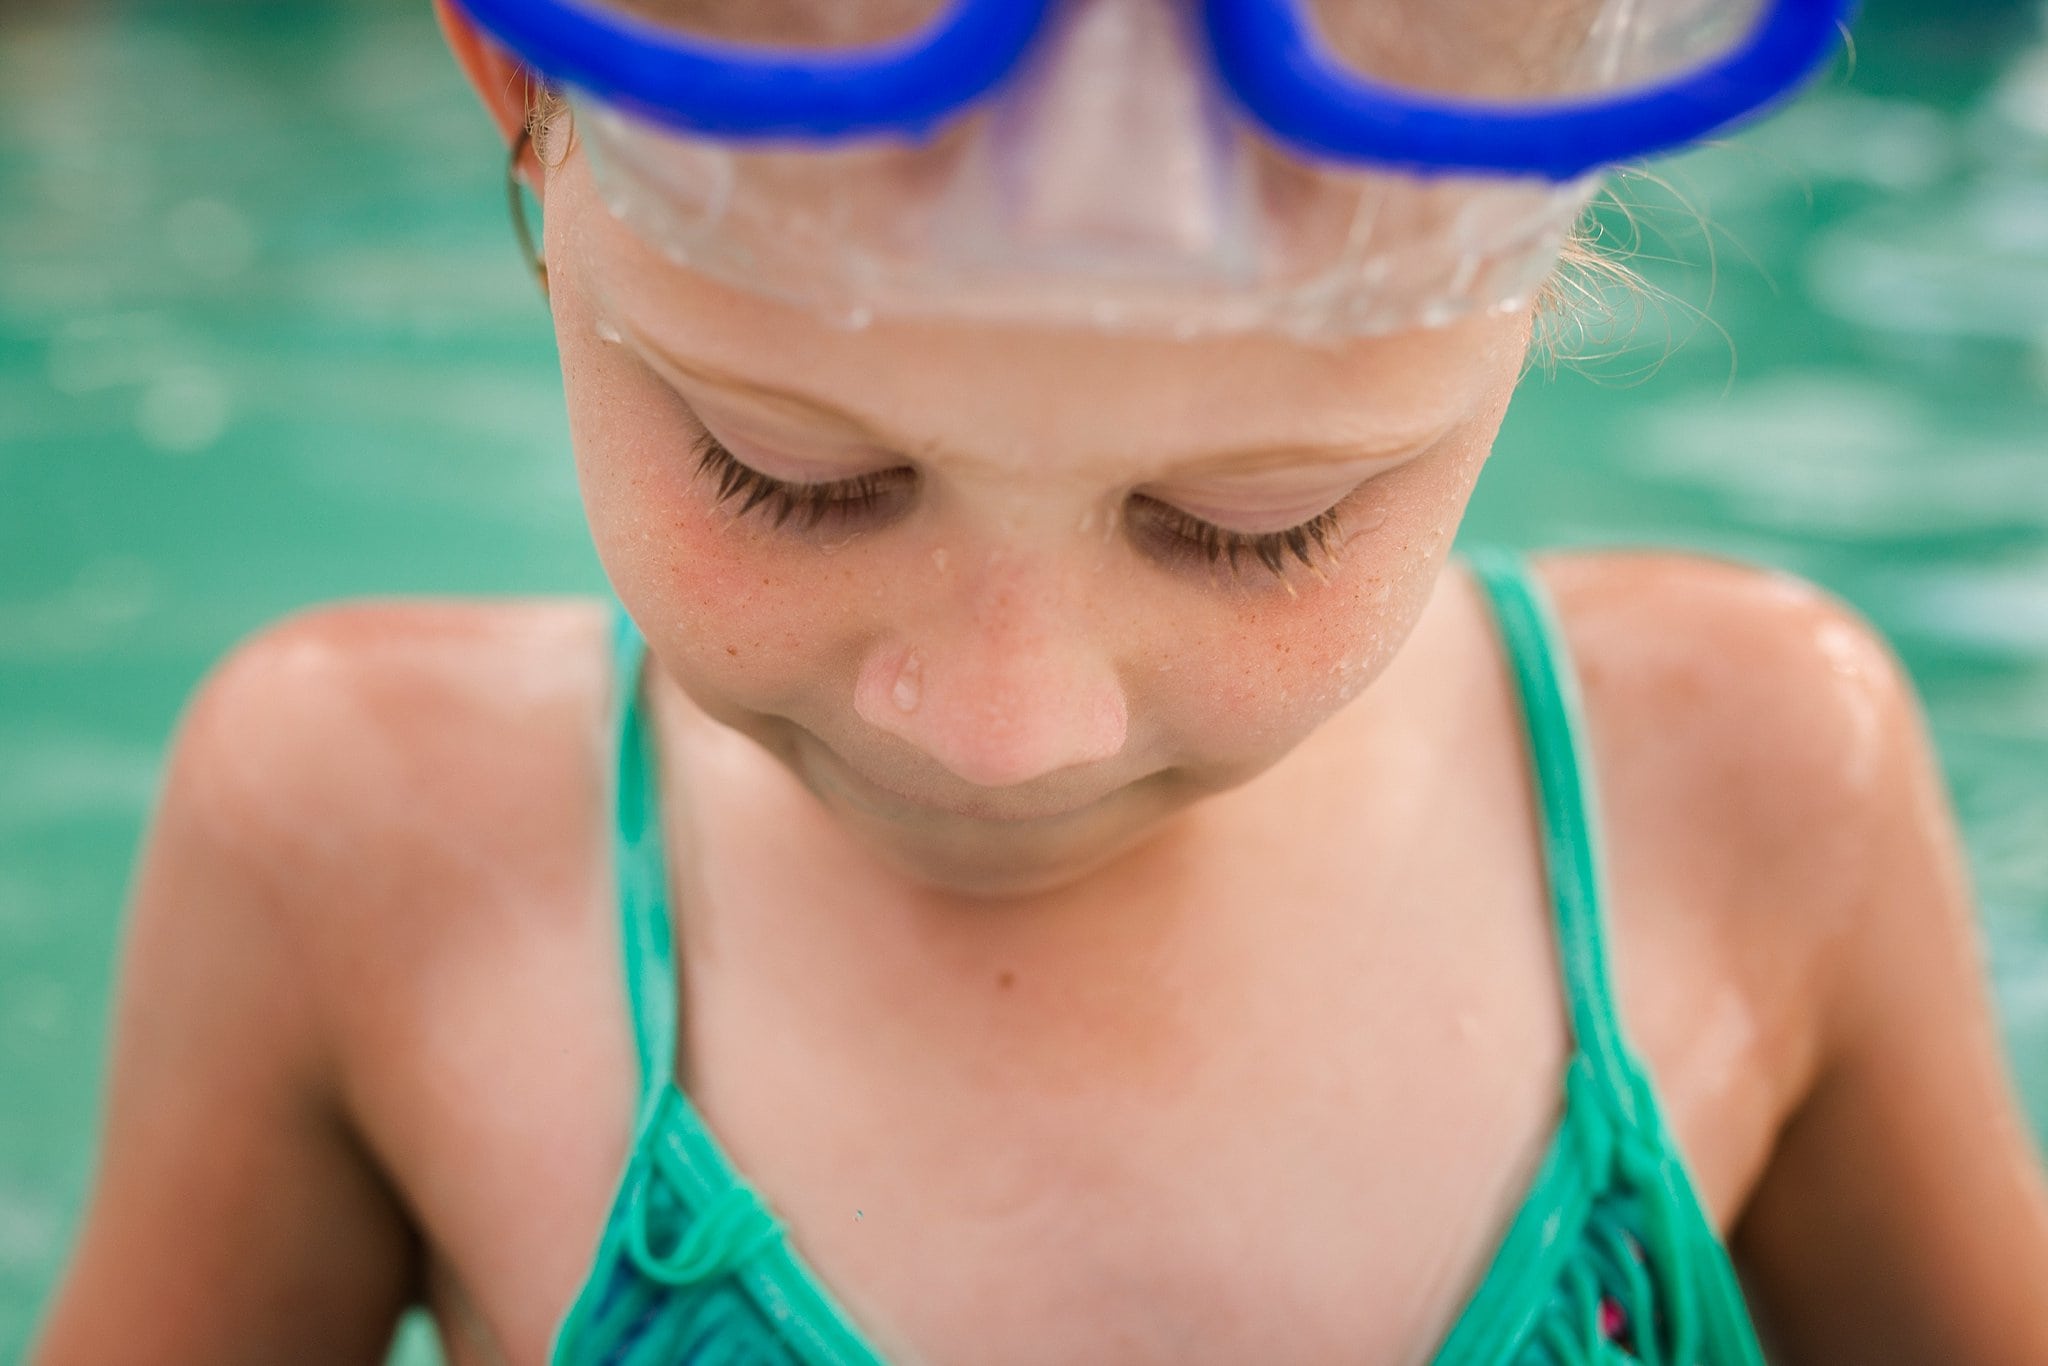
(641, 870)
(1536, 651)
(1704, 1306)
(731, 1231)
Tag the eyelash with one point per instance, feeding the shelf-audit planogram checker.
(812, 505)
(1309, 545)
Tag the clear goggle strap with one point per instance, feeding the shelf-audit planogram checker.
(1111, 151)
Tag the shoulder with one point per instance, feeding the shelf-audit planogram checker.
(351, 749)
(350, 705)
(1761, 760)
(1766, 709)
(354, 799)
(1820, 1024)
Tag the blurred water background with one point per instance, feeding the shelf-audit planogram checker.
(264, 340)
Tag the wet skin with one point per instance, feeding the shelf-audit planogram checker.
(1072, 678)
(1156, 958)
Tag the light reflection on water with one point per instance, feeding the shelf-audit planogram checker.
(267, 342)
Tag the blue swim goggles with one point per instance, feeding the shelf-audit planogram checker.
(1317, 165)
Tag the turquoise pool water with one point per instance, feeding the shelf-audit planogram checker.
(264, 340)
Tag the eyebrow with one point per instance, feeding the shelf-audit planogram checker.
(1244, 460)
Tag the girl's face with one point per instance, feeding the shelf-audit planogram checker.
(1005, 599)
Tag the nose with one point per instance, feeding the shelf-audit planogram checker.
(1007, 694)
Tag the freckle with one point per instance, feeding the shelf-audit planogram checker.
(1006, 980)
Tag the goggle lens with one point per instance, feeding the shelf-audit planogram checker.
(817, 26)
(1526, 52)
(1322, 166)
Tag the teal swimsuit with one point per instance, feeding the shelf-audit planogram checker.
(1610, 1260)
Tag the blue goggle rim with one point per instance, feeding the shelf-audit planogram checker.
(1266, 54)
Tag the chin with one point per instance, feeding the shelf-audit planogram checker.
(1009, 877)
(978, 862)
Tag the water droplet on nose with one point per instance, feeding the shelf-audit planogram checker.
(1372, 519)
(909, 684)
(608, 331)
(843, 310)
(940, 560)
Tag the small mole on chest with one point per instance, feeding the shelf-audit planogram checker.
(1006, 980)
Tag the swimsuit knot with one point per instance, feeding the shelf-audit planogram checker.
(735, 1227)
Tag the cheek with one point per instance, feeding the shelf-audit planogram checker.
(745, 624)
(743, 619)
(1270, 672)
(1278, 671)
(740, 631)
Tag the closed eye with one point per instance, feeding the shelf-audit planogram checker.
(781, 501)
(1169, 533)
(1178, 536)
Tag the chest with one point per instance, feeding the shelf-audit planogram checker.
(1323, 1173)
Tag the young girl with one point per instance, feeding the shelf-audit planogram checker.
(1076, 871)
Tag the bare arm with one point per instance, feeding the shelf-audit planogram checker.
(235, 1217)
(1904, 1217)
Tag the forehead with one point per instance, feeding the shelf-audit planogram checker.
(1013, 394)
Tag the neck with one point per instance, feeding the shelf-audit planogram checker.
(774, 891)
